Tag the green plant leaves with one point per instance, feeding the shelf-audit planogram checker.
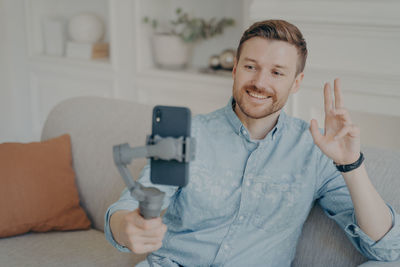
(193, 29)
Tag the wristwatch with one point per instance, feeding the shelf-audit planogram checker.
(352, 166)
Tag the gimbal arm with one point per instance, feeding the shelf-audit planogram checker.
(167, 148)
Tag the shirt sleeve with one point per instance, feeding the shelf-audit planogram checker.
(334, 198)
(127, 202)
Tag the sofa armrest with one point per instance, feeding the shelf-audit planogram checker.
(380, 264)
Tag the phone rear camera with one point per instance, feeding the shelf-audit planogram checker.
(158, 115)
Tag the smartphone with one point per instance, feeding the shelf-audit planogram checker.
(175, 122)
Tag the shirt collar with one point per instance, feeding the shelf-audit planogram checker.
(238, 126)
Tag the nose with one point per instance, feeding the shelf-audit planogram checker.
(261, 80)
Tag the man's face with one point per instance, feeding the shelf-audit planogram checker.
(264, 77)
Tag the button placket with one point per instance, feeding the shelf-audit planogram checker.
(226, 250)
(246, 198)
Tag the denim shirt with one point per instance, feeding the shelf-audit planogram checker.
(247, 200)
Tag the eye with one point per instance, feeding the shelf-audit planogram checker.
(277, 73)
(249, 67)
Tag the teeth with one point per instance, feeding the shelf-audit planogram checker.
(257, 95)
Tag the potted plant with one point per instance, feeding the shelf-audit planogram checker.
(172, 46)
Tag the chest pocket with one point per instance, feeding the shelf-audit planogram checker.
(282, 201)
(210, 197)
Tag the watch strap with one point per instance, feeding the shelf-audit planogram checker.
(352, 166)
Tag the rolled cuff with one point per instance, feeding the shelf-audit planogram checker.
(385, 249)
(355, 231)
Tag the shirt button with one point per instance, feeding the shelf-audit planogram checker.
(241, 218)
(248, 183)
(226, 247)
(244, 132)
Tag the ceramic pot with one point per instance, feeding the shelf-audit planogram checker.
(170, 52)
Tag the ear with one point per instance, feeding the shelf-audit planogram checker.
(234, 68)
(297, 82)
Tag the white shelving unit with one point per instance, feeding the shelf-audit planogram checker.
(164, 10)
(55, 78)
(129, 73)
(38, 10)
(358, 45)
(202, 92)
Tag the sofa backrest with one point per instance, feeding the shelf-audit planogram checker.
(322, 241)
(96, 124)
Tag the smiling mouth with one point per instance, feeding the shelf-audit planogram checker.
(258, 96)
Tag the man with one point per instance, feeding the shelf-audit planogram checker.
(258, 172)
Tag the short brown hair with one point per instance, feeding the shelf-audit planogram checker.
(277, 30)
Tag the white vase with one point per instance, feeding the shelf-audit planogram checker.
(54, 34)
(170, 52)
(86, 28)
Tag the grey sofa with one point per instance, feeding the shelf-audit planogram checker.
(95, 125)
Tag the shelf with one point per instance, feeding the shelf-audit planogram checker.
(193, 75)
(164, 11)
(100, 64)
(38, 11)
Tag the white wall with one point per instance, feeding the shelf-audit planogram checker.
(357, 41)
(15, 122)
(6, 129)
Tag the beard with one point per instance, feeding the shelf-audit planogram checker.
(257, 111)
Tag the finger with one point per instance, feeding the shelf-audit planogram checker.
(354, 131)
(327, 98)
(155, 232)
(343, 113)
(144, 224)
(145, 248)
(147, 240)
(351, 130)
(152, 247)
(316, 134)
(338, 94)
(343, 132)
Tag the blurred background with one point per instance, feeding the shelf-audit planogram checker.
(180, 52)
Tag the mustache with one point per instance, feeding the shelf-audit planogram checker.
(258, 90)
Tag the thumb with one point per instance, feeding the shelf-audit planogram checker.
(316, 134)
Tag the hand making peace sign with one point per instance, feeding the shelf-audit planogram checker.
(341, 139)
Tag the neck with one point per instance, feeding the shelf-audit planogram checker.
(258, 128)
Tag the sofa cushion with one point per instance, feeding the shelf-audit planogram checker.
(37, 188)
(96, 125)
(380, 264)
(73, 248)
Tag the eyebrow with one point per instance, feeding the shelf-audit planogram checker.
(275, 65)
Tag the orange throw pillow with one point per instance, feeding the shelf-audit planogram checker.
(37, 188)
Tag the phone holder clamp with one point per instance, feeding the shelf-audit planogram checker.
(164, 148)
